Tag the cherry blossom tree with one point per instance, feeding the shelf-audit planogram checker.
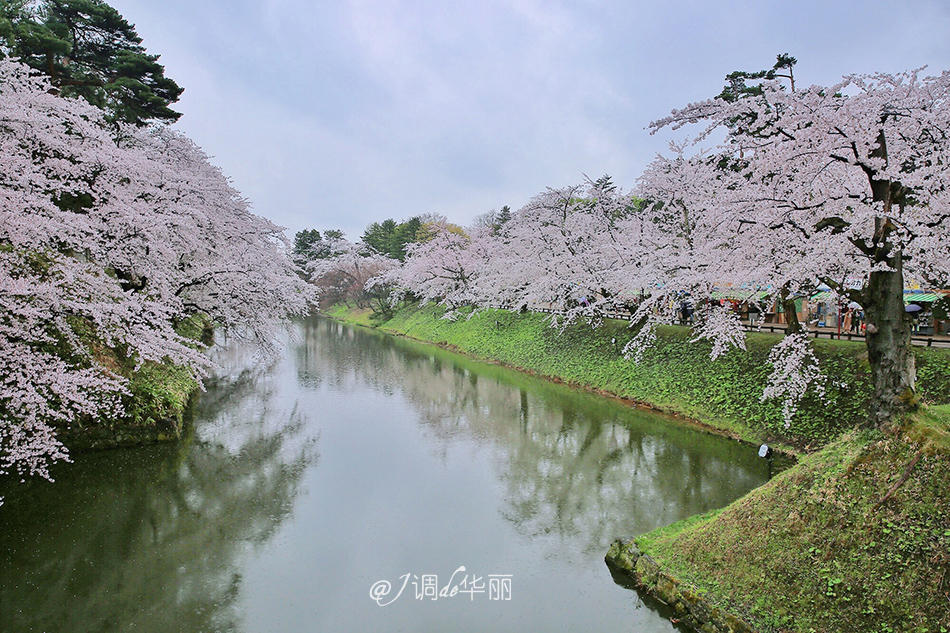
(689, 248)
(564, 250)
(214, 257)
(446, 268)
(108, 243)
(850, 172)
(343, 275)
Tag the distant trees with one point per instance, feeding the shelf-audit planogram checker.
(359, 272)
(493, 220)
(394, 239)
(87, 49)
(561, 250)
(344, 273)
(390, 238)
(305, 240)
(310, 245)
(445, 268)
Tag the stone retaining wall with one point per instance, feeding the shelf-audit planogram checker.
(690, 607)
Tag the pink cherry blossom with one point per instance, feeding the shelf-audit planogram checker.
(118, 235)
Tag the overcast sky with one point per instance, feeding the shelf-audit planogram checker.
(338, 113)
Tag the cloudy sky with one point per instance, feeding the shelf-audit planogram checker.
(338, 113)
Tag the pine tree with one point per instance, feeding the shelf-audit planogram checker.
(88, 49)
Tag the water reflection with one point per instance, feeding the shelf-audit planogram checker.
(427, 462)
(155, 538)
(574, 465)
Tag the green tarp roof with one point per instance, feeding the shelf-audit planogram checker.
(926, 297)
(739, 294)
(910, 296)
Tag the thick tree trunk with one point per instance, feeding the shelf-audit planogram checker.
(889, 348)
(792, 324)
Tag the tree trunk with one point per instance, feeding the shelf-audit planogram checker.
(893, 372)
(792, 324)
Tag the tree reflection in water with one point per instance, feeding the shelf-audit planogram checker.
(576, 466)
(181, 538)
(155, 538)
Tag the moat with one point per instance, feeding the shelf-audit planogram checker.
(357, 460)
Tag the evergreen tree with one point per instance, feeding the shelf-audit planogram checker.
(503, 216)
(305, 241)
(88, 49)
(406, 233)
(390, 238)
(379, 236)
(738, 88)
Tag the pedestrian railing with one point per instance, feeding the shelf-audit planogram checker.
(923, 341)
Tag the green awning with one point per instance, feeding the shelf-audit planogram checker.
(922, 297)
(732, 295)
(739, 294)
(909, 297)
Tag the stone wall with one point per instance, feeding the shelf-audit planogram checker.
(689, 606)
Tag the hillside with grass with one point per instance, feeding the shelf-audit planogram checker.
(155, 403)
(856, 537)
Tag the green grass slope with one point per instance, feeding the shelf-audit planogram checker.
(156, 405)
(676, 375)
(855, 537)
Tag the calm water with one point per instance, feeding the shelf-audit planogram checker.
(355, 459)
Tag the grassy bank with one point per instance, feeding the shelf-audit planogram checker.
(676, 375)
(840, 542)
(156, 406)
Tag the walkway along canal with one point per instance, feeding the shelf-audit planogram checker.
(358, 460)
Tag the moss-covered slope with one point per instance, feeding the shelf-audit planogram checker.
(156, 405)
(854, 538)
